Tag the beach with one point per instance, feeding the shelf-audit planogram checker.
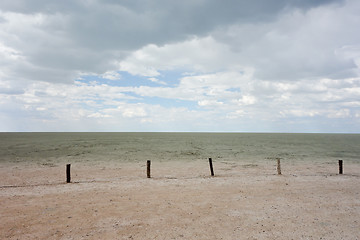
(110, 196)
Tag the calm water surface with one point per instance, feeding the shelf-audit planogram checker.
(56, 147)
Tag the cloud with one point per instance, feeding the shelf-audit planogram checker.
(195, 54)
(155, 80)
(111, 75)
(59, 40)
(296, 45)
(159, 65)
(104, 108)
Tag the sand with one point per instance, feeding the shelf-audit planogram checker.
(180, 201)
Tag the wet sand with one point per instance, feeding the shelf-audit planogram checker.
(115, 200)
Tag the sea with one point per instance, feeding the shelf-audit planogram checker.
(52, 148)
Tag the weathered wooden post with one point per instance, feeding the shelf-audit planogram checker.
(278, 166)
(148, 163)
(211, 167)
(68, 178)
(340, 166)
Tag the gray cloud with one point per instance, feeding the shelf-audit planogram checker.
(39, 6)
(88, 36)
(318, 43)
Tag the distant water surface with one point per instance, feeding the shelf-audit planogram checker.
(89, 147)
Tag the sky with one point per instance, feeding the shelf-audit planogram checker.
(180, 66)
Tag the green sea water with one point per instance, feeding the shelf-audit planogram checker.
(135, 147)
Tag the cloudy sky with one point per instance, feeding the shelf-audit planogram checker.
(189, 65)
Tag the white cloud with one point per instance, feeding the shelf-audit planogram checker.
(281, 63)
(236, 114)
(196, 54)
(134, 69)
(247, 100)
(210, 103)
(219, 80)
(98, 115)
(111, 75)
(134, 112)
(299, 113)
(155, 80)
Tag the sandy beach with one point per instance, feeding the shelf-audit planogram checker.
(180, 201)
